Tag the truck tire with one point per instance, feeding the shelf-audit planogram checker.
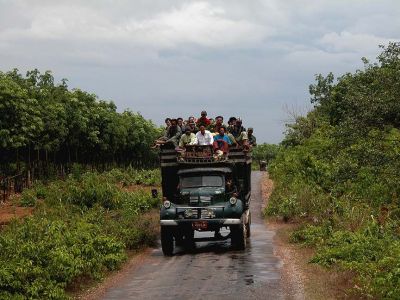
(167, 241)
(238, 238)
(179, 241)
(189, 242)
(248, 225)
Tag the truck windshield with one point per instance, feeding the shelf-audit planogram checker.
(199, 181)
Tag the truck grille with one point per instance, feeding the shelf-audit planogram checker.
(205, 200)
(193, 213)
(207, 213)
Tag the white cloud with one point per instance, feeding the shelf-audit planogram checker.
(352, 42)
(198, 23)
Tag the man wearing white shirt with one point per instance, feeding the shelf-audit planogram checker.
(204, 137)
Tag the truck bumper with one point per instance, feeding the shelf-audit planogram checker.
(211, 221)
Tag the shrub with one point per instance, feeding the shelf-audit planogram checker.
(40, 189)
(28, 198)
(90, 190)
(41, 255)
(83, 228)
(311, 235)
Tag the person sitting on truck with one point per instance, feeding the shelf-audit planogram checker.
(180, 123)
(231, 123)
(189, 138)
(193, 127)
(214, 128)
(204, 137)
(161, 140)
(221, 143)
(203, 120)
(228, 130)
(222, 136)
(239, 132)
(172, 135)
(252, 139)
(167, 123)
(191, 119)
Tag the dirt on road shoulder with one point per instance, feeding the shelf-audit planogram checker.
(301, 279)
(9, 211)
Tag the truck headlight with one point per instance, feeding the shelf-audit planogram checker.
(233, 200)
(167, 204)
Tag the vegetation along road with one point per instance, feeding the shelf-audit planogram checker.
(212, 270)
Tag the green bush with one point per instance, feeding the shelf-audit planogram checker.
(132, 176)
(311, 235)
(91, 189)
(28, 198)
(82, 229)
(43, 254)
(40, 189)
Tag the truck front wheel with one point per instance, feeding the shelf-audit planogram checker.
(238, 236)
(189, 239)
(167, 241)
(248, 225)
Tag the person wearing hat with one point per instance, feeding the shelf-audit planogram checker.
(188, 138)
(203, 120)
(251, 138)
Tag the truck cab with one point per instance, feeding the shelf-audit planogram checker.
(201, 194)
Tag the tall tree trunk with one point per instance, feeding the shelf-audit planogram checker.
(29, 155)
(18, 166)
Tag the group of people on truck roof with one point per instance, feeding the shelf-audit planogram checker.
(207, 131)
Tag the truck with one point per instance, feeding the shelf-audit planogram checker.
(203, 192)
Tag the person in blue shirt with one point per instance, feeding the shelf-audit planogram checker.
(221, 144)
(222, 136)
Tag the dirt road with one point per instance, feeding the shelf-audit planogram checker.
(212, 270)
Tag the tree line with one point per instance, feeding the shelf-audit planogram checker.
(338, 171)
(43, 122)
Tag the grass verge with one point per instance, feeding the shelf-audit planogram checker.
(80, 230)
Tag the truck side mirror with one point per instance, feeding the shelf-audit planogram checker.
(154, 193)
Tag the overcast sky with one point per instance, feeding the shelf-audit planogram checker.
(252, 59)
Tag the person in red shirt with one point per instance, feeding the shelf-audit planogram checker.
(203, 120)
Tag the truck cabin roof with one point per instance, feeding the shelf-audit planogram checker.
(204, 171)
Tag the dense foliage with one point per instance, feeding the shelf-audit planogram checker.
(81, 227)
(265, 152)
(44, 121)
(339, 169)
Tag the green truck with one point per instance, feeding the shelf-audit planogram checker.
(202, 192)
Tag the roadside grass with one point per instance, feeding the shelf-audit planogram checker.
(81, 228)
(346, 235)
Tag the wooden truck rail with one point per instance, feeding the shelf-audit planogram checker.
(169, 157)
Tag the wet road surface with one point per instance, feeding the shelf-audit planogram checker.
(213, 270)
